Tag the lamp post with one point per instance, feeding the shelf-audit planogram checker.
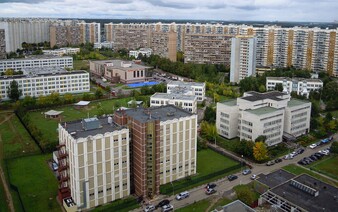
(173, 187)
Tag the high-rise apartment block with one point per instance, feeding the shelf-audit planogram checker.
(263, 114)
(90, 32)
(94, 161)
(2, 44)
(36, 62)
(135, 151)
(44, 81)
(243, 57)
(61, 36)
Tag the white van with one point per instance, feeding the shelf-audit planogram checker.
(182, 195)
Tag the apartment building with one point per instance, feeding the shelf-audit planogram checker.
(2, 44)
(300, 85)
(243, 57)
(94, 161)
(144, 51)
(186, 102)
(187, 88)
(35, 62)
(44, 81)
(118, 71)
(90, 32)
(163, 141)
(207, 49)
(62, 51)
(269, 114)
(61, 36)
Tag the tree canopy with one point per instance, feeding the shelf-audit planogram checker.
(14, 92)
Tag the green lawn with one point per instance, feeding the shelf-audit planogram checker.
(206, 172)
(3, 203)
(226, 143)
(48, 127)
(121, 205)
(221, 202)
(199, 206)
(15, 139)
(35, 181)
(81, 64)
(327, 166)
(294, 169)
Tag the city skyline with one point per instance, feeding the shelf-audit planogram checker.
(242, 10)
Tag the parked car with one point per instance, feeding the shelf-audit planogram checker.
(149, 208)
(278, 160)
(182, 195)
(246, 172)
(210, 186)
(300, 151)
(270, 163)
(313, 157)
(167, 208)
(163, 203)
(210, 191)
(253, 177)
(55, 166)
(232, 177)
(326, 152)
(312, 146)
(286, 157)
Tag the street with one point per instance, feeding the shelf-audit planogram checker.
(198, 193)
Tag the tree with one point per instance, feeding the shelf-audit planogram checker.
(14, 92)
(260, 152)
(210, 115)
(245, 194)
(261, 138)
(279, 87)
(334, 147)
(68, 98)
(261, 88)
(98, 93)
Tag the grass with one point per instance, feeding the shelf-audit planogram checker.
(48, 127)
(199, 206)
(3, 202)
(35, 181)
(249, 190)
(121, 205)
(15, 138)
(81, 64)
(221, 202)
(327, 166)
(226, 143)
(204, 170)
(297, 170)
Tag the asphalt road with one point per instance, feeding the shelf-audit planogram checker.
(224, 184)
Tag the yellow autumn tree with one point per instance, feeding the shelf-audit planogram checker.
(260, 152)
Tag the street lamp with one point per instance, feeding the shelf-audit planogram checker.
(173, 187)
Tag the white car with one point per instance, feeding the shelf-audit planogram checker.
(166, 208)
(149, 208)
(326, 152)
(312, 146)
(253, 177)
(182, 195)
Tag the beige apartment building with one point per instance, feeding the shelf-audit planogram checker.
(64, 36)
(94, 161)
(2, 44)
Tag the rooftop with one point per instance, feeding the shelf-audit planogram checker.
(174, 96)
(120, 64)
(294, 79)
(77, 129)
(327, 200)
(13, 77)
(237, 206)
(296, 102)
(36, 57)
(162, 113)
(253, 96)
(275, 178)
(230, 102)
(262, 110)
(185, 84)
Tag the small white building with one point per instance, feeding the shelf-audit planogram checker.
(44, 81)
(106, 44)
(269, 114)
(187, 102)
(144, 51)
(187, 88)
(300, 85)
(62, 51)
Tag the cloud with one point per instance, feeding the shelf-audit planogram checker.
(22, 1)
(176, 5)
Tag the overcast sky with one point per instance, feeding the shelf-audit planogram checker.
(247, 10)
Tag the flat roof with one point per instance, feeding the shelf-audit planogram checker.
(237, 206)
(275, 178)
(42, 75)
(174, 96)
(185, 84)
(162, 113)
(36, 57)
(327, 200)
(297, 102)
(117, 64)
(253, 96)
(262, 110)
(76, 130)
(294, 79)
(230, 102)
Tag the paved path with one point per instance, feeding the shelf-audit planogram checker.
(197, 194)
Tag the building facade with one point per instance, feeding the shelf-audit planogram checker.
(94, 161)
(36, 62)
(187, 88)
(186, 102)
(118, 71)
(243, 58)
(37, 82)
(62, 51)
(62, 36)
(164, 143)
(301, 86)
(263, 114)
(2, 44)
(90, 32)
(144, 51)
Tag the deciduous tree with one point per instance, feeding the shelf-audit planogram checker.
(14, 92)
(260, 151)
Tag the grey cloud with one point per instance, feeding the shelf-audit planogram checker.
(118, 1)
(247, 7)
(22, 1)
(216, 6)
(162, 3)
